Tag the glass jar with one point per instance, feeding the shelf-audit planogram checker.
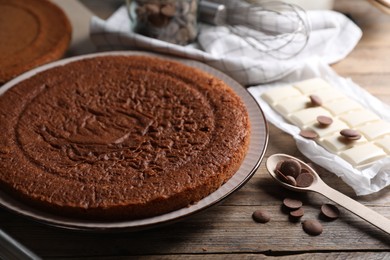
(174, 21)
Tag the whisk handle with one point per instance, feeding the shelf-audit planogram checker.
(212, 13)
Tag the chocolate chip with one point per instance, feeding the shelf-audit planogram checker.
(280, 174)
(292, 172)
(324, 120)
(261, 216)
(158, 20)
(151, 8)
(305, 179)
(312, 227)
(277, 167)
(315, 100)
(292, 203)
(172, 21)
(330, 211)
(291, 180)
(350, 134)
(168, 10)
(309, 134)
(290, 167)
(298, 213)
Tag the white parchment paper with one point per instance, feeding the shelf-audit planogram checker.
(364, 181)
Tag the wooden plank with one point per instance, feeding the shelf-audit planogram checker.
(220, 229)
(314, 256)
(227, 230)
(365, 62)
(248, 256)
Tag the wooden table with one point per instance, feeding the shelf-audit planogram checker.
(227, 230)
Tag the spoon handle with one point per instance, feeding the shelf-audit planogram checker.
(355, 207)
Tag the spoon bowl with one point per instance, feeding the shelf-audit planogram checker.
(321, 187)
(272, 162)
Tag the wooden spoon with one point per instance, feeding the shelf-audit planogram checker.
(322, 188)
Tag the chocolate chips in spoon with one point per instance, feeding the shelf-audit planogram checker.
(291, 172)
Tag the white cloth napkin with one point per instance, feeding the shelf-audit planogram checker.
(332, 37)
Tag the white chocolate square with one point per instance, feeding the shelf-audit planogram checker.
(341, 106)
(384, 143)
(359, 117)
(375, 129)
(307, 116)
(323, 131)
(363, 154)
(328, 95)
(293, 104)
(276, 94)
(311, 85)
(336, 143)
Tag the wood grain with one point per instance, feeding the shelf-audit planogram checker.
(227, 231)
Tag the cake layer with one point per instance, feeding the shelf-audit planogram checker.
(117, 137)
(32, 33)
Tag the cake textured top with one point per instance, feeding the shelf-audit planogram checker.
(120, 137)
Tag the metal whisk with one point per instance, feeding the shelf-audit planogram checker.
(276, 28)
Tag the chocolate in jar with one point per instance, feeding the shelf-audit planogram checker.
(173, 21)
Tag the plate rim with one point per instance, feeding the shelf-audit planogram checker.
(56, 220)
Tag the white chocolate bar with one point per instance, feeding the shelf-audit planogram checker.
(336, 143)
(341, 106)
(359, 117)
(375, 129)
(384, 143)
(307, 116)
(274, 95)
(311, 85)
(363, 154)
(289, 105)
(323, 131)
(328, 95)
(346, 113)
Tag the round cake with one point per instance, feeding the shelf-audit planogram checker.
(119, 137)
(32, 33)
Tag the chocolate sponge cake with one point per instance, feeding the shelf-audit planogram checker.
(117, 137)
(32, 33)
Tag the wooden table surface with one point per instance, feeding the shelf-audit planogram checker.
(227, 230)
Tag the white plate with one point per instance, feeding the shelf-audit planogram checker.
(257, 147)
